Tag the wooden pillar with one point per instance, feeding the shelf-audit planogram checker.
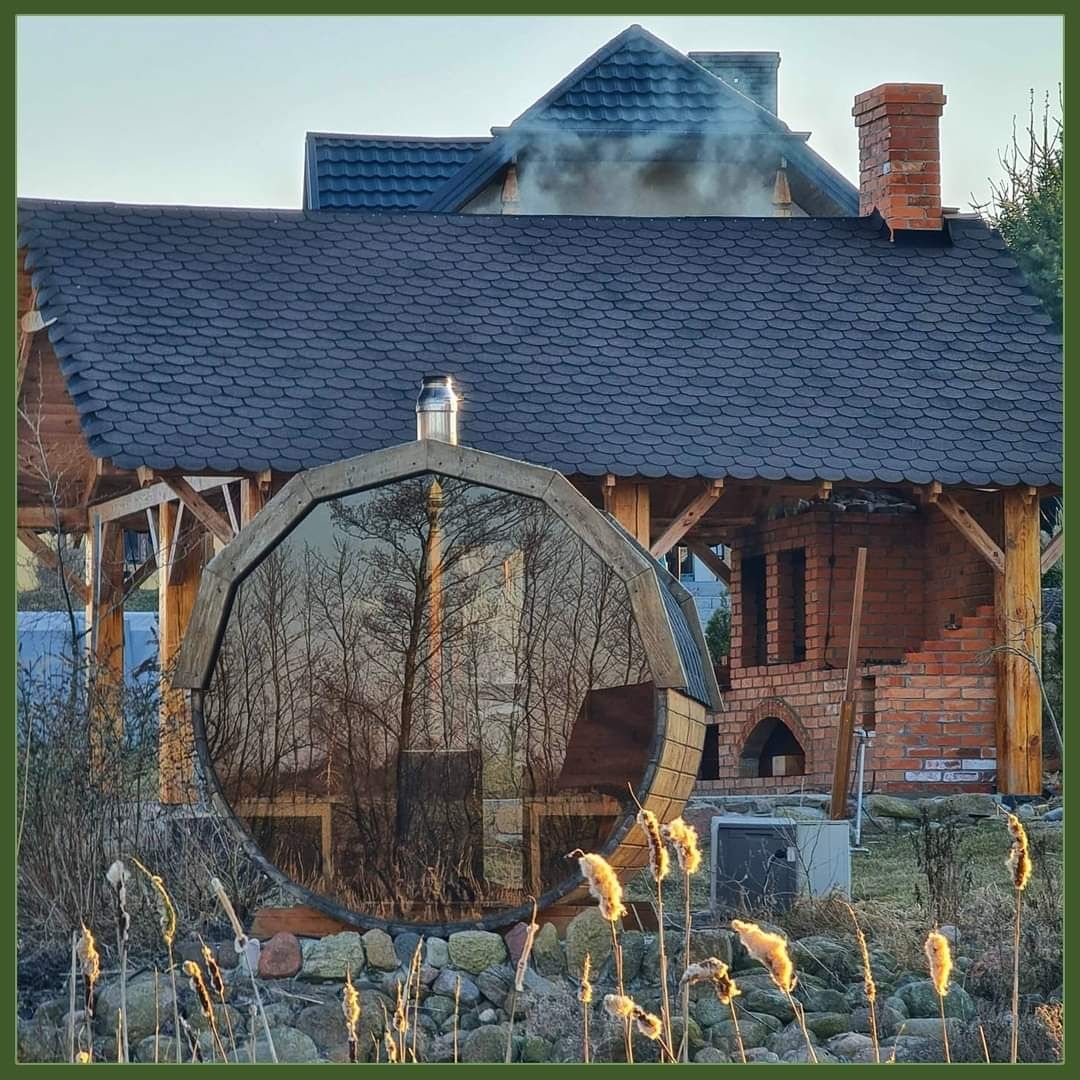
(105, 631)
(628, 503)
(183, 557)
(1018, 603)
(252, 498)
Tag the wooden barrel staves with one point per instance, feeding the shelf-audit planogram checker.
(423, 676)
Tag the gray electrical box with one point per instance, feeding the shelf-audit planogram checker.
(765, 862)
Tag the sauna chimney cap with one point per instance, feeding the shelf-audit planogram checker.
(437, 409)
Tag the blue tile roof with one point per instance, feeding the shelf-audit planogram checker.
(750, 347)
(376, 172)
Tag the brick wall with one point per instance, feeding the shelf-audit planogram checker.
(923, 688)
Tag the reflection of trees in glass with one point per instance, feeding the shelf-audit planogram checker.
(405, 655)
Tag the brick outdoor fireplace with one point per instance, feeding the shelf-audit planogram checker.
(926, 682)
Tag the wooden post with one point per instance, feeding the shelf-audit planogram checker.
(1019, 606)
(105, 631)
(842, 766)
(630, 508)
(183, 557)
(251, 499)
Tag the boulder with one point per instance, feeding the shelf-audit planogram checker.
(921, 1000)
(495, 984)
(833, 960)
(801, 1054)
(439, 1007)
(632, 943)
(145, 1006)
(515, 940)
(535, 1048)
(290, 1045)
(281, 957)
(758, 1055)
(484, 1043)
(851, 1046)
(163, 1046)
(789, 1039)
(40, 1040)
(771, 1002)
(929, 1027)
(379, 951)
(447, 981)
(827, 1024)
(588, 932)
(827, 1000)
(330, 957)
(436, 952)
(889, 806)
(964, 804)
(405, 945)
(711, 942)
(709, 1055)
(547, 952)
(325, 1026)
(475, 950)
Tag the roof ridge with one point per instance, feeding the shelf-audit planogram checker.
(397, 138)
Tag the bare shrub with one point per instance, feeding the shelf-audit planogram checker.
(948, 876)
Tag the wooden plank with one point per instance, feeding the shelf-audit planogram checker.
(105, 634)
(1053, 552)
(1020, 767)
(45, 517)
(137, 502)
(177, 589)
(692, 513)
(198, 505)
(713, 561)
(972, 531)
(140, 574)
(251, 500)
(845, 735)
(50, 558)
(630, 507)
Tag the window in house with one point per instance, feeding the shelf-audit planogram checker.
(772, 750)
(754, 617)
(791, 600)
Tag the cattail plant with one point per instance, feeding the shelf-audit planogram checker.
(242, 945)
(869, 986)
(206, 1005)
(192, 1038)
(1020, 867)
(118, 877)
(90, 961)
(519, 977)
(624, 1008)
(684, 839)
(585, 995)
(350, 1006)
(457, 1015)
(771, 951)
(414, 973)
(71, 996)
(659, 865)
(401, 1019)
(167, 921)
(217, 984)
(939, 957)
(715, 971)
(606, 889)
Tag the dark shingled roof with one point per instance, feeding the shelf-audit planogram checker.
(378, 172)
(777, 347)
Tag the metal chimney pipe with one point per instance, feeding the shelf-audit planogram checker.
(437, 409)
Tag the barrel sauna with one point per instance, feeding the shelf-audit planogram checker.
(421, 677)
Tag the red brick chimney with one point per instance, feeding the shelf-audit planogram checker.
(899, 153)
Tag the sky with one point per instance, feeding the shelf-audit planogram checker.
(213, 110)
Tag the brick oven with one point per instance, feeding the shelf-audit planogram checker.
(926, 679)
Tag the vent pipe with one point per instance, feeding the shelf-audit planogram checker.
(436, 409)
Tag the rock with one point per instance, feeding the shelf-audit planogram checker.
(379, 951)
(827, 957)
(448, 980)
(802, 813)
(965, 804)
(695, 1039)
(801, 1054)
(769, 1001)
(515, 940)
(708, 1011)
(475, 950)
(547, 953)
(589, 933)
(711, 942)
(290, 1045)
(325, 1025)
(441, 1049)
(405, 945)
(909, 1048)
(755, 1031)
(279, 1013)
(428, 974)
(40, 1040)
(758, 1055)
(632, 943)
(439, 1007)
(142, 1012)
(709, 1055)
(225, 1016)
(280, 957)
(890, 806)
(164, 1046)
(789, 1039)
(330, 957)
(535, 1048)
(1057, 814)
(852, 1046)
(436, 952)
(484, 1043)
(951, 933)
(827, 1024)
(921, 1000)
(929, 1027)
(824, 1001)
(495, 984)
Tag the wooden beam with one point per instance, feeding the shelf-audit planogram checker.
(842, 764)
(251, 500)
(178, 584)
(1053, 551)
(50, 558)
(630, 508)
(105, 633)
(694, 511)
(1019, 767)
(972, 531)
(198, 505)
(137, 502)
(713, 561)
(140, 574)
(45, 517)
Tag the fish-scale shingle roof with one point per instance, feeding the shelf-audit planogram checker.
(803, 348)
(375, 172)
